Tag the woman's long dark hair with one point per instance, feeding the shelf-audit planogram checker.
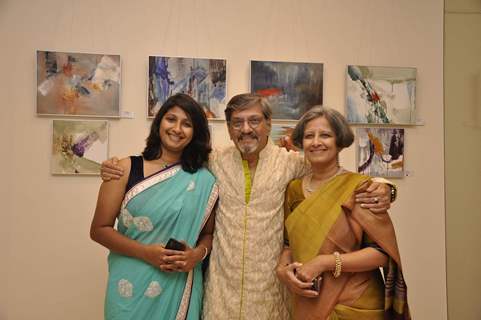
(196, 153)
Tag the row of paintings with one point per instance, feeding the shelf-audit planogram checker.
(80, 146)
(81, 84)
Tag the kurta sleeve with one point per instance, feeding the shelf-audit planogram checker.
(296, 165)
(213, 159)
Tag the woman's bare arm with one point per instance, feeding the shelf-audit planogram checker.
(357, 261)
(102, 230)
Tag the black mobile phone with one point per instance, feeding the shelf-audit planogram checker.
(316, 286)
(173, 244)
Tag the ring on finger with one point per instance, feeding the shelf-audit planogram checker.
(376, 200)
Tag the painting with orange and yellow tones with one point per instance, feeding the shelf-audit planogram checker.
(78, 84)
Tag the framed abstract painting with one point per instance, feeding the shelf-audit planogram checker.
(380, 152)
(380, 95)
(78, 84)
(291, 88)
(79, 146)
(202, 79)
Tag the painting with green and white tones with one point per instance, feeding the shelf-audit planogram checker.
(79, 147)
(380, 95)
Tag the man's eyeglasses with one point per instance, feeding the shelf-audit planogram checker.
(253, 122)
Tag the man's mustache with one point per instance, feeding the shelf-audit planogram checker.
(248, 135)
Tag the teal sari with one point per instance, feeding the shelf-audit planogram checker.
(169, 204)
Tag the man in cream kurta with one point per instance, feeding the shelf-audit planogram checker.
(248, 237)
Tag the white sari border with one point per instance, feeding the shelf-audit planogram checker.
(149, 182)
(185, 302)
(214, 194)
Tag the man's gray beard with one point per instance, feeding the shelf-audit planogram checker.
(246, 150)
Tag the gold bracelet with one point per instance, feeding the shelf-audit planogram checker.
(206, 252)
(338, 268)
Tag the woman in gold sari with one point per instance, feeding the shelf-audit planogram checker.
(334, 247)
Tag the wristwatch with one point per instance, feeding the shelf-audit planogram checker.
(393, 192)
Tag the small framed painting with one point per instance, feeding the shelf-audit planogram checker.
(380, 152)
(79, 146)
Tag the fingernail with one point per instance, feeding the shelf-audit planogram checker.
(363, 205)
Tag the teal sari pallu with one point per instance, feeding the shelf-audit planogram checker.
(170, 204)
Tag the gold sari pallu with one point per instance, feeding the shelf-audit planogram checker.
(329, 220)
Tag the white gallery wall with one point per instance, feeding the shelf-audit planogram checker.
(50, 268)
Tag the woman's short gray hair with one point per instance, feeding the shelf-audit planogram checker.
(340, 126)
(246, 100)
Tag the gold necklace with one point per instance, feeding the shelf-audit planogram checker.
(164, 164)
(309, 187)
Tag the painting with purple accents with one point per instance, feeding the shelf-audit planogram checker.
(380, 95)
(78, 84)
(291, 88)
(380, 152)
(202, 79)
(79, 146)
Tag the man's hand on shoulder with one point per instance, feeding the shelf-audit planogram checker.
(376, 198)
(111, 170)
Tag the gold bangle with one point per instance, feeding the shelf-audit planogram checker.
(338, 268)
(206, 252)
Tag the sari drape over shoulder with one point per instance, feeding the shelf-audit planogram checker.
(170, 204)
(329, 220)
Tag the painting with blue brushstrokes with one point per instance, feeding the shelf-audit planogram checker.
(380, 95)
(78, 84)
(202, 79)
(380, 152)
(291, 88)
(79, 146)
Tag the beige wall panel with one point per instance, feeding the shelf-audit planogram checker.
(463, 163)
(471, 6)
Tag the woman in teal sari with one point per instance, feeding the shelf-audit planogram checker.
(167, 194)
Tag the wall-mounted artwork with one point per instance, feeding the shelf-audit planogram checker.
(381, 95)
(380, 152)
(79, 147)
(291, 87)
(202, 79)
(78, 84)
(281, 136)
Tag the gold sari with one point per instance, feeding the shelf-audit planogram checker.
(329, 220)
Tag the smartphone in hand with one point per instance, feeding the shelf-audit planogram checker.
(174, 244)
(316, 286)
